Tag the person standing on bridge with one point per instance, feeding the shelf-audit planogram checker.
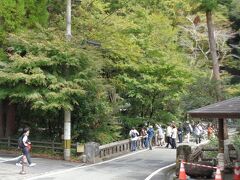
(169, 135)
(198, 132)
(174, 136)
(134, 137)
(160, 135)
(188, 130)
(180, 133)
(144, 136)
(25, 145)
(150, 132)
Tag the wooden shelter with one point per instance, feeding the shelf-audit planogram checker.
(225, 109)
(221, 110)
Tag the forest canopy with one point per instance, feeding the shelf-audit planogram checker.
(128, 63)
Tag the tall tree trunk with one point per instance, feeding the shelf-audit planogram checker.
(1, 119)
(222, 126)
(10, 119)
(213, 50)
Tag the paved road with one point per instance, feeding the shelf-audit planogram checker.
(133, 166)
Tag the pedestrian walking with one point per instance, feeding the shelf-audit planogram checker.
(169, 135)
(160, 136)
(180, 133)
(174, 136)
(134, 137)
(25, 145)
(150, 133)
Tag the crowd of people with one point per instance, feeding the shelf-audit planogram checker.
(168, 136)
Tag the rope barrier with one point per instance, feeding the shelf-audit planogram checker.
(3, 160)
(200, 165)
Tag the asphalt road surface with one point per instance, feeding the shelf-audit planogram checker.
(133, 166)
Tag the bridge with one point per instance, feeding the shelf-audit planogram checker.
(140, 165)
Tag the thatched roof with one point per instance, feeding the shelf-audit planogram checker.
(225, 109)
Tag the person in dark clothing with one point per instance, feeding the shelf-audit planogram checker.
(188, 130)
(180, 133)
(150, 133)
(25, 146)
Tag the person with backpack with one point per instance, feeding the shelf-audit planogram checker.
(134, 137)
(25, 145)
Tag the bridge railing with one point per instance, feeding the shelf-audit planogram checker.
(97, 153)
(118, 147)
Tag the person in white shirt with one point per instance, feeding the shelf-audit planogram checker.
(169, 135)
(134, 137)
(160, 136)
(198, 130)
(174, 136)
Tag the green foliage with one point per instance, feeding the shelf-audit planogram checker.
(206, 5)
(236, 141)
(36, 12)
(50, 75)
(200, 92)
(152, 64)
(22, 12)
(11, 20)
(212, 144)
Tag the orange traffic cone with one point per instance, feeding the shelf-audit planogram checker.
(218, 175)
(182, 173)
(236, 171)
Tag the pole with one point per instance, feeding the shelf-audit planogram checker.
(68, 20)
(67, 135)
(220, 156)
(67, 114)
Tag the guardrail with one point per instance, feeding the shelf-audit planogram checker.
(54, 146)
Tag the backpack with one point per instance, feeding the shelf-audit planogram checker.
(20, 142)
(133, 135)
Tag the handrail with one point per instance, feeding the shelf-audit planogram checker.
(12, 142)
(105, 151)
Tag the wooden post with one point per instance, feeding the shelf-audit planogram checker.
(9, 141)
(53, 148)
(220, 156)
(221, 135)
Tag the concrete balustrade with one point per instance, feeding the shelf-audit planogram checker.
(95, 153)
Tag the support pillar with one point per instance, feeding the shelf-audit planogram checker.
(220, 156)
